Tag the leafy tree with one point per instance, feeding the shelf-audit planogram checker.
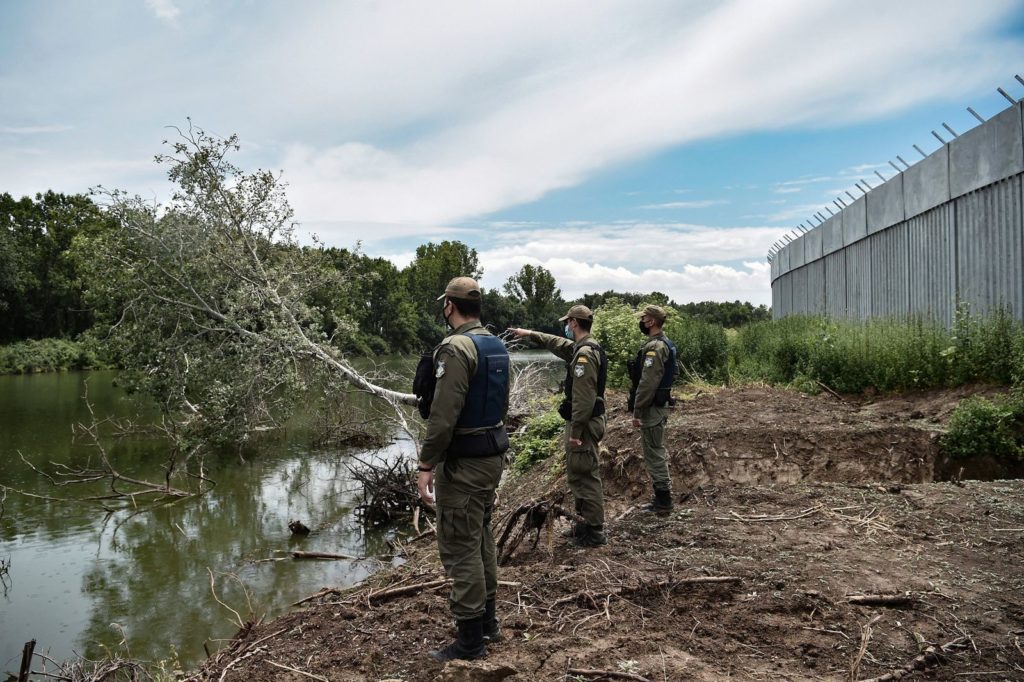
(426, 277)
(534, 288)
(40, 289)
(216, 321)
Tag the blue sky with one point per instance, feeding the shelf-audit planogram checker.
(649, 144)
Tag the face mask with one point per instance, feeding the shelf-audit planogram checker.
(449, 324)
(568, 333)
(643, 330)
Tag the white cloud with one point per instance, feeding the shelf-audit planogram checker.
(700, 203)
(685, 283)
(788, 190)
(34, 130)
(165, 10)
(528, 112)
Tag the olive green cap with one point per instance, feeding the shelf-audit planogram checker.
(578, 312)
(462, 287)
(657, 312)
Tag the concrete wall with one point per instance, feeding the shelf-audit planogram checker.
(949, 229)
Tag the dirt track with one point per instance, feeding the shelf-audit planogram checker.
(806, 500)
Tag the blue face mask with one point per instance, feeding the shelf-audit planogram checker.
(568, 333)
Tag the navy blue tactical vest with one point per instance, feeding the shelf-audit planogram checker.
(488, 388)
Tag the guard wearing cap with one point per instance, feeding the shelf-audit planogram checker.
(461, 463)
(652, 373)
(583, 410)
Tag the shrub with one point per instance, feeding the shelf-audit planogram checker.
(539, 440)
(979, 426)
(48, 355)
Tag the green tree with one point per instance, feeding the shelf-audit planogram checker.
(534, 288)
(426, 277)
(216, 322)
(40, 289)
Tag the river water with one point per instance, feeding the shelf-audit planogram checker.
(80, 581)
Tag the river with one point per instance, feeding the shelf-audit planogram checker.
(82, 582)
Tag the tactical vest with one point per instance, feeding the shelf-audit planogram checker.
(663, 394)
(488, 389)
(565, 408)
(486, 399)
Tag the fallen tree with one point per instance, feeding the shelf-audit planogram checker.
(214, 314)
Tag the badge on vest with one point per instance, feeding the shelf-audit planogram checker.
(578, 371)
(440, 369)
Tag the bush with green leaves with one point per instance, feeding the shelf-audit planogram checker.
(979, 426)
(702, 349)
(48, 355)
(539, 440)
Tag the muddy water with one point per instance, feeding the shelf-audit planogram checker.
(81, 581)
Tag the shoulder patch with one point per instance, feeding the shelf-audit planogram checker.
(582, 359)
(578, 370)
(440, 369)
(651, 352)
(649, 361)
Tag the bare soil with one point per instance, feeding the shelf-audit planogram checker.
(804, 500)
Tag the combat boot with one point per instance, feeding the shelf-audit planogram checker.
(661, 503)
(491, 630)
(593, 536)
(469, 644)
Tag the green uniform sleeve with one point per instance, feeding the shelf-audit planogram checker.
(559, 345)
(456, 369)
(652, 369)
(585, 367)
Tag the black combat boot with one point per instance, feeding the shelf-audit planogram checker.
(492, 633)
(593, 536)
(661, 503)
(468, 645)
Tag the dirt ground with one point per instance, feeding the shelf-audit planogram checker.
(798, 504)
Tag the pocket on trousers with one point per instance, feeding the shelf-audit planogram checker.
(451, 515)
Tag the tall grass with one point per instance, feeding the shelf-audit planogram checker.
(889, 355)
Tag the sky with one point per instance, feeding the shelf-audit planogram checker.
(638, 145)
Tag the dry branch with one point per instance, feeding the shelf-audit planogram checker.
(933, 655)
(881, 599)
(612, 674)
(386, 595)
(325, 555)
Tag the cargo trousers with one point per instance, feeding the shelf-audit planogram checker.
(464, 494)
(583, 472)
(652, 436)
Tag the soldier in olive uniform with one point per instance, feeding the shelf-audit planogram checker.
(656, 365)
(583, 410)
(461, 462)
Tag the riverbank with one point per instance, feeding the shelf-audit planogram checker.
(788, 508)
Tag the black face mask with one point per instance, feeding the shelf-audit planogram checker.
(446, 317)
(643, 329)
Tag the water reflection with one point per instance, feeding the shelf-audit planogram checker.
(78, 580)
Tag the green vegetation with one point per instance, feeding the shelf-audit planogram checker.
(888, 355)
(979, 426)
(701, 346)
(540, 439)
(48, 355)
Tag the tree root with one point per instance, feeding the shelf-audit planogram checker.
(933, 655)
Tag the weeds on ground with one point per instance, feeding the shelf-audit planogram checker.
(889, 355)
(540, 438)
